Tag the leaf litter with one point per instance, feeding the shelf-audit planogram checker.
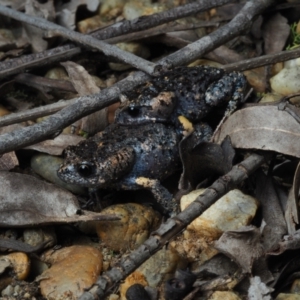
(258, 266)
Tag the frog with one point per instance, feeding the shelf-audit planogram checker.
(192, 92)
(128, 158)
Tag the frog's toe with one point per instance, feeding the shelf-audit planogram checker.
(160, 193)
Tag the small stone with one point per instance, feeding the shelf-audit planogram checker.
(224, 295)
(57, 73)
(8, 291)
(113, 297)
(286, 81)
(295, 288)
(73, 270)
(47, 166)
(230, 212)
(135, 224)
(35, 237)
(135, 9)
(17, 289)
(155, 271)
(111, 8)
(20, 263)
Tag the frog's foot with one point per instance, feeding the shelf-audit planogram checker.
(228, 89)
(161, 194)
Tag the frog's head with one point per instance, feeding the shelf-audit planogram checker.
(146, 109)
(79, 166)
(92, 165)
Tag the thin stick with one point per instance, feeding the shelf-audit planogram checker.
(85, 40)
(37, 60)
(173, 226)
(264, 60)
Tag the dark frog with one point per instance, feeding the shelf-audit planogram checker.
(126, 157)
(191, 92)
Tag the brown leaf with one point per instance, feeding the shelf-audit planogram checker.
(243, 246)
(262, 128)
(292, 209)
(8, 161)
(275, 227)
(82, 81)
(67, 11)
(290, 242)
(84, 84)
(203, 160)
(275, 33)
(26, 200)
(44, 10)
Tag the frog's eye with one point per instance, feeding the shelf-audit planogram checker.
(133, 111)
(85, 169)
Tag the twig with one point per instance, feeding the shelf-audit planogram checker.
(14, 66)
(161, 29)
(256, 62)
(240, 23)
(88, 104)
(173, 226)
(23, 63)
(85, 40)
(34, 113)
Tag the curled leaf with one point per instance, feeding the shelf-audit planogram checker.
(263, 128)
(26, 200)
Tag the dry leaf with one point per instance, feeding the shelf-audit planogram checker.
(258, 290)
(275, 33)
(84, 84)
(275, 227)
(243, 246)
(67, 11)
(292, 209)
(43, 10)
(26, 200)
(262, 128)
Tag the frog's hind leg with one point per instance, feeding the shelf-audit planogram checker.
(160, 193)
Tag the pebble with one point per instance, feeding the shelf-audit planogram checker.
(134, 227)
(20, 264)
(155, 271)
(73, 270)
(35, 237)
(47, 166)
(224, 295)
(135, 9)
(230, 212)
(286, 82)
